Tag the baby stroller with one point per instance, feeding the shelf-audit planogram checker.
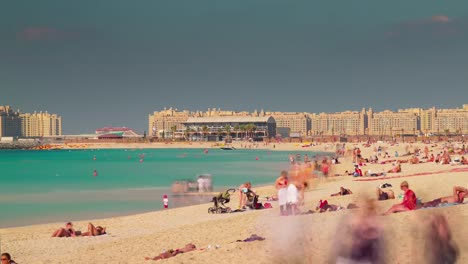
(220, 201)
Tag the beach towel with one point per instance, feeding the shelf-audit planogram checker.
(282, 196)
(292, 194)
(252, 238)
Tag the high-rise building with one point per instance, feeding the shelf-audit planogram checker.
(388, 123)
(341, 123)
(297, 123)
(161, 123)
(40, 124)
(10, 122)
(451, 121)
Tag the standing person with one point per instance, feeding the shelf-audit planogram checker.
(360, 239)
(6, 259)
(165, 201)
(281, 185)
(292, 198)
(243, 189)
(440, 247)
(409, 201)
(201, 184)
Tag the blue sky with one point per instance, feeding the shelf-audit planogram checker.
(101, 63)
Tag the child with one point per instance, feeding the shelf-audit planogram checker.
(165, 201)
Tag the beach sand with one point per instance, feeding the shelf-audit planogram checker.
(294, 239)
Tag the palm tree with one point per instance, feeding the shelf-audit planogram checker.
(227, 128)
(236, 128)
(187, 134)
(253, 129)
(447, 132)
(243, 128)
(205, 130)
(173, 131)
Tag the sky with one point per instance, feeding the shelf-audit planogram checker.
(111, 63)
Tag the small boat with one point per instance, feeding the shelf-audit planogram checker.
(227, 148)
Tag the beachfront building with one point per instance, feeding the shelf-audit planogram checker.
(42, 124)
(451, 121)
(294, 122)
(116, 132)
(218, 127)
(10, 122)
(168, 121)
(388, 123)
(341, 123)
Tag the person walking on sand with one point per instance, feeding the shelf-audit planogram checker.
(409, 201)
(281, 185)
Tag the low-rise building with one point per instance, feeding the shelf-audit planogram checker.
(232, 126)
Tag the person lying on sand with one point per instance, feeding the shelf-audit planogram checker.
(409, 201)
(324, 206)
(172, 253)
(68, 231)
(396, 168)
(342, 192)
(94, 231)
(384, 195)
(459, 194)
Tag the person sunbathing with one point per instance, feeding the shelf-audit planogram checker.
(409, 201)
(464, 161)
(458, 196)
(342, 192)
(414, 160)
(384, 195)
(431, 159)
(172, 253)
(396, 168)
(68, 231)
(94, 231)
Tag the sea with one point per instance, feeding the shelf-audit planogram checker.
(38, 186)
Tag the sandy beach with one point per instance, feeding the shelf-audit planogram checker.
(307, 238)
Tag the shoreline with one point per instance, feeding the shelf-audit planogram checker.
(135, 236)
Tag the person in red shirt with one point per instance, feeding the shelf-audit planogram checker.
(409, 201)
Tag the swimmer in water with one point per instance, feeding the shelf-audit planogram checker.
(94, 158)
(95, 173)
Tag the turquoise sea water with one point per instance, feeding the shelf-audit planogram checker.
(55, 186)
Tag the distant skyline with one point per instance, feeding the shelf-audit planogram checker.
(111, 63)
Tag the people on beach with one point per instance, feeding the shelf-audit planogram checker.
(243, 189)
(384, 194)
(396, 168)
(440, 248)
(6, 259)
(360, 238)
(165, 201)
(281, 185)
(68, 231)
(94, 231)
(292, 199)
(172, 253)
(458, 196)
(343, 191)
(409, 200)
